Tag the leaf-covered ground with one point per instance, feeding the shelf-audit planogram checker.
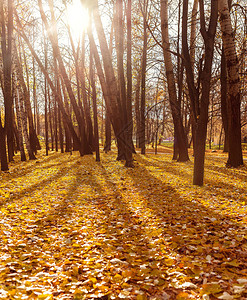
(71, 228)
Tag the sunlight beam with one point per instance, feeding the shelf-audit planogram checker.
(78, 18)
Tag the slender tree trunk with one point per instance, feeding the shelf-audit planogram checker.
(34, 142)
(199, 107)
(19, 126)
(46, 121)
(24, 119)
(51, 112)
(120, 69)
(3, 150)
(82, 141)
(66, 118)
(137, 109)
(224, 99)
(35, 103)
(60, 131)
(82, 91)
(82, 74)
(95, 114)
(143, 81)
(129, 74)
(55, 122)
(175, 106)
(109, 87)
(107, 145)
(46, 103)
(193, 32)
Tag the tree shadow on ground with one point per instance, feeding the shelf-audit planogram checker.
(130, 224)
(213, 185)
(197, 230)
(27, 191)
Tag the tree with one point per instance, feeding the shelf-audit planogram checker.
(32, 143)
(6, 47)
(19, 122)
(84, 146)
(179, 133)
(111, 92)
(199, 92)
(142, 133)
(235, 156)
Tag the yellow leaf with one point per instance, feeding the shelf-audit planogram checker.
(117, 277)
(182, 296)
(141, 297)
(94, 280)
(211, 288)
(45, 297)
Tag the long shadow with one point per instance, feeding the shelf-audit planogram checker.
(209, 181)
(183, 229)
(82, 179)
(192, 229)
(119, 232)
(37, 186)
(187, 230)
(27, 166)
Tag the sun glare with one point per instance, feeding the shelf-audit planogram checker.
(77, 17)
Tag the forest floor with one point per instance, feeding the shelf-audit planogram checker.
(71, 228)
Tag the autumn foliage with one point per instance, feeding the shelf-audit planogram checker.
(73, 228)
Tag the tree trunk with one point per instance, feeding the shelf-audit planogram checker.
(46, 103)
(137, 109)
(175, 106)
(199, 107)
(121, 79)
(235, 156)
(107, 145)
(142, 134)
(129, 74)
(82, 141)
(110, 89)
(24, 124)
(95, 114)
(86, 106)
(55, 123)
(224, 99)
(51, 112)
(6, 47)
(33, 140)
(3, 150)
(19, 126)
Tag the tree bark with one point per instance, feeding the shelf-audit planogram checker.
(199, 107)
(142, 134)
(129, 74)
(3, 150)
(95, 114)
(137, 109)
(174, 103)
(6, 47)
(19, 126)
(110, 88)
(224, 99)
(235, 156)
(107, 145)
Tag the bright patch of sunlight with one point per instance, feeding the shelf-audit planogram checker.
(77, 18)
